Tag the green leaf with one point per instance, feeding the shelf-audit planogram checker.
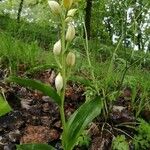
(79, 120)
(40, 68)
(81, 80)
(4, 106)
(35, 147)
(36, 85)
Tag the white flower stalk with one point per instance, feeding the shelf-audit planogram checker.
(70, 60)
(67, 3)
(70, 33)
(59, 82)
(57, 48)
(55, 7)
(71, 12)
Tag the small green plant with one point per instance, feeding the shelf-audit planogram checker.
(84, 140)
(65, 60)
(142, 138)
(120, 143)
(4, 106)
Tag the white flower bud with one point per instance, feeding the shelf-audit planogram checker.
(55, 7)
(68, 19)
(70, 60)
(67, 3)
(57, 48)
(59, 82)
(70, 33)
(71, 12)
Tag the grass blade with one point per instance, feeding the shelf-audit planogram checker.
(35, 147)
(81, 80)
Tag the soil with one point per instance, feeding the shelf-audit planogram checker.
(35, 118)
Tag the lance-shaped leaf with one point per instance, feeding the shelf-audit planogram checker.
(4, 106)
(35, 147)
(40, 68)
(79, 121)
(36, 85)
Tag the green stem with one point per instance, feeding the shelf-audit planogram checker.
(58, 63)
(63, 72)
(89, 61)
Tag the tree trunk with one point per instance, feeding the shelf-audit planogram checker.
(20, 10)
(88, 12)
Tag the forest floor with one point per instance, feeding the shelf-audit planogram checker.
(35, 118)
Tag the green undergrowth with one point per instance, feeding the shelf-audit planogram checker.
(20, 44)
(28, 32)
(102, 52)
(124, 74)
(15, 52)
(142, 137)
(46, 34)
